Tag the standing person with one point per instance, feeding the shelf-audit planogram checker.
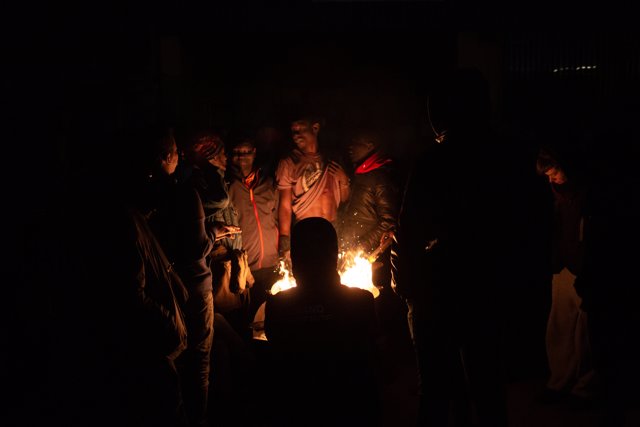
(177, 218)
(229, 268)
(567, 340)
(608, 285)
(254, 195)
(206, 173)
(370, 216)
(146, 326)
(322, 335)
(446, 259)
(309, 183)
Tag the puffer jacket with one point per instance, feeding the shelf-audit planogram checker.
(372, 209)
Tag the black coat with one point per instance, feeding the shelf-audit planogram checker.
(372, 208)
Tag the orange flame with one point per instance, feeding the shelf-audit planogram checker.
(356, 273)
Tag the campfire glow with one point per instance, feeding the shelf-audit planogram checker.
(355, 272)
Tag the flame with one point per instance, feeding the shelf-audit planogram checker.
(287, 281)
(355, 273)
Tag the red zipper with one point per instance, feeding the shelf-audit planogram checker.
(255, 212)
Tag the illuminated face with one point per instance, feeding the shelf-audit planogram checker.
(243, 156)
(556, 176)
(219, 160)
(359, 149)
(305, 134)
(170, 163)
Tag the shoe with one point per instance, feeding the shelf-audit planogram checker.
(551, 397)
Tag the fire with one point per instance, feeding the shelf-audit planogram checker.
(355, 272)
(287, 281)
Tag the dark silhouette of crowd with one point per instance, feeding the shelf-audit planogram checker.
(173, 243)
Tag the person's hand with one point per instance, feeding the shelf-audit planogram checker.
(222, 231)
(284, 250)
(338, 173)
(387, 236)
(286, 259)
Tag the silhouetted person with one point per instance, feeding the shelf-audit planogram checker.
(608, 283)
(178, 220)
(568, 348)
(322, 334)
(446, 259)
(128, 328)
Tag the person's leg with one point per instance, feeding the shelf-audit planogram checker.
(197, 357)
(561, 331)
(432, 346)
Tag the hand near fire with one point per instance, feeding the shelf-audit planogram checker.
(222, 231)
(284, 250)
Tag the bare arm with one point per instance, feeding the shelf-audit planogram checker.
(284, 212)
(343, 180)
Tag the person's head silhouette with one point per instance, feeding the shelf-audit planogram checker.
(314, 252)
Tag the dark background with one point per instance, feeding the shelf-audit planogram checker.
(78, 77)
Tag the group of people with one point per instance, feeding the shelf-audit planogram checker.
(197, 242)
(195, 230)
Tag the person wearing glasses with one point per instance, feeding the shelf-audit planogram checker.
(254, 195)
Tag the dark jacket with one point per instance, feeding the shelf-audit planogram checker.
(372, 208)
(323, 343)
(178, 221)
(451, 226)
(568, 228)
(213, 190)
(155, 293)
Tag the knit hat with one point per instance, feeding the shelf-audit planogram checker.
(208, 145)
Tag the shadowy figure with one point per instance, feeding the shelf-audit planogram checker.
(322, 335)
(371, 214)
(177, 219)
(568, 348)
(122, 309)
(608, 283)
(446, 260)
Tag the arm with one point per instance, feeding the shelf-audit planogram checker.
(284, 219)
(338, 173)
(158, 323)
(384, 196)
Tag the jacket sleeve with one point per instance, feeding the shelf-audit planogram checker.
(419, 222)
(196, 241)
(159, 321)
(385, 199)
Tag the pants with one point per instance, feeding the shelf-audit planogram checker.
(568, 348)
(458, 365)
(196, 358)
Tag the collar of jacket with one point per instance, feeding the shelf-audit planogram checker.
(374, 161)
